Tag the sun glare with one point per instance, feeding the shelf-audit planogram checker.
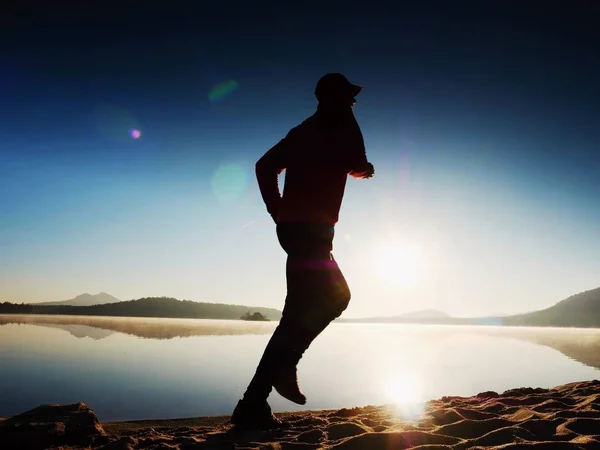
(399, 262)
(406, 393)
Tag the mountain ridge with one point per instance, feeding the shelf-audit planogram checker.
(85, 299)
(579, 310)
(166, 307)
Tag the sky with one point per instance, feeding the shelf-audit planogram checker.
(128, 138)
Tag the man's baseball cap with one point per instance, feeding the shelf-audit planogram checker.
(336, 85)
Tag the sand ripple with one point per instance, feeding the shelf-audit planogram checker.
(565, 417)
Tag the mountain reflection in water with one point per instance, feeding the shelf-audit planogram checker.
(99, 327)
(582, 345)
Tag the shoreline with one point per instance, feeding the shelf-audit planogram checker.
(565, 417)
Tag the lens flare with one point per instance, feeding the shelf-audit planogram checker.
(229, 182)
(116, 123)
(222, 90)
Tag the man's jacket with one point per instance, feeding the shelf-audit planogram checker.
(317, 155)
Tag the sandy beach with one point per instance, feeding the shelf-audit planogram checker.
(564, 417)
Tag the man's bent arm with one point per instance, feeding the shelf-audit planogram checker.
(268, 168)
(360, 166)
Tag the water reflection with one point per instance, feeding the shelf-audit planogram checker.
(80, 331)
(581, 345)
(143, 368)
(99, 327)
(406, 393)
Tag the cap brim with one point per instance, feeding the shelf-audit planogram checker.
(355, 90)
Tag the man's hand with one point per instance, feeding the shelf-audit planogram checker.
(370, 171)
(365, 172)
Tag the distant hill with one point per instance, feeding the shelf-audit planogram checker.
(85, 300)
(579, 310)
(147, 307)
(426, 314)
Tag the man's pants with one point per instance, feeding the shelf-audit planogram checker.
(317, 293)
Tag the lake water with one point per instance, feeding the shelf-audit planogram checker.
(130, 368)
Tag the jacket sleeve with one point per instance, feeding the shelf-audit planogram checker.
(268, 168)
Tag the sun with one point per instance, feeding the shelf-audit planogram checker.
(399, 262)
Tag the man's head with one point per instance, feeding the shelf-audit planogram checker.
(335, 89)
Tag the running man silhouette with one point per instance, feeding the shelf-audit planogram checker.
(318, 155)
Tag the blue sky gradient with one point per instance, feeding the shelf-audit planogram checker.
(483, 125)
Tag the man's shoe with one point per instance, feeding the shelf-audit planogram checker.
(255, 416)
(286, 385)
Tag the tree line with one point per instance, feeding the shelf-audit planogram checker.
(146, 307)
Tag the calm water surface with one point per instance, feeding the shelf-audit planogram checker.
(130, 368)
